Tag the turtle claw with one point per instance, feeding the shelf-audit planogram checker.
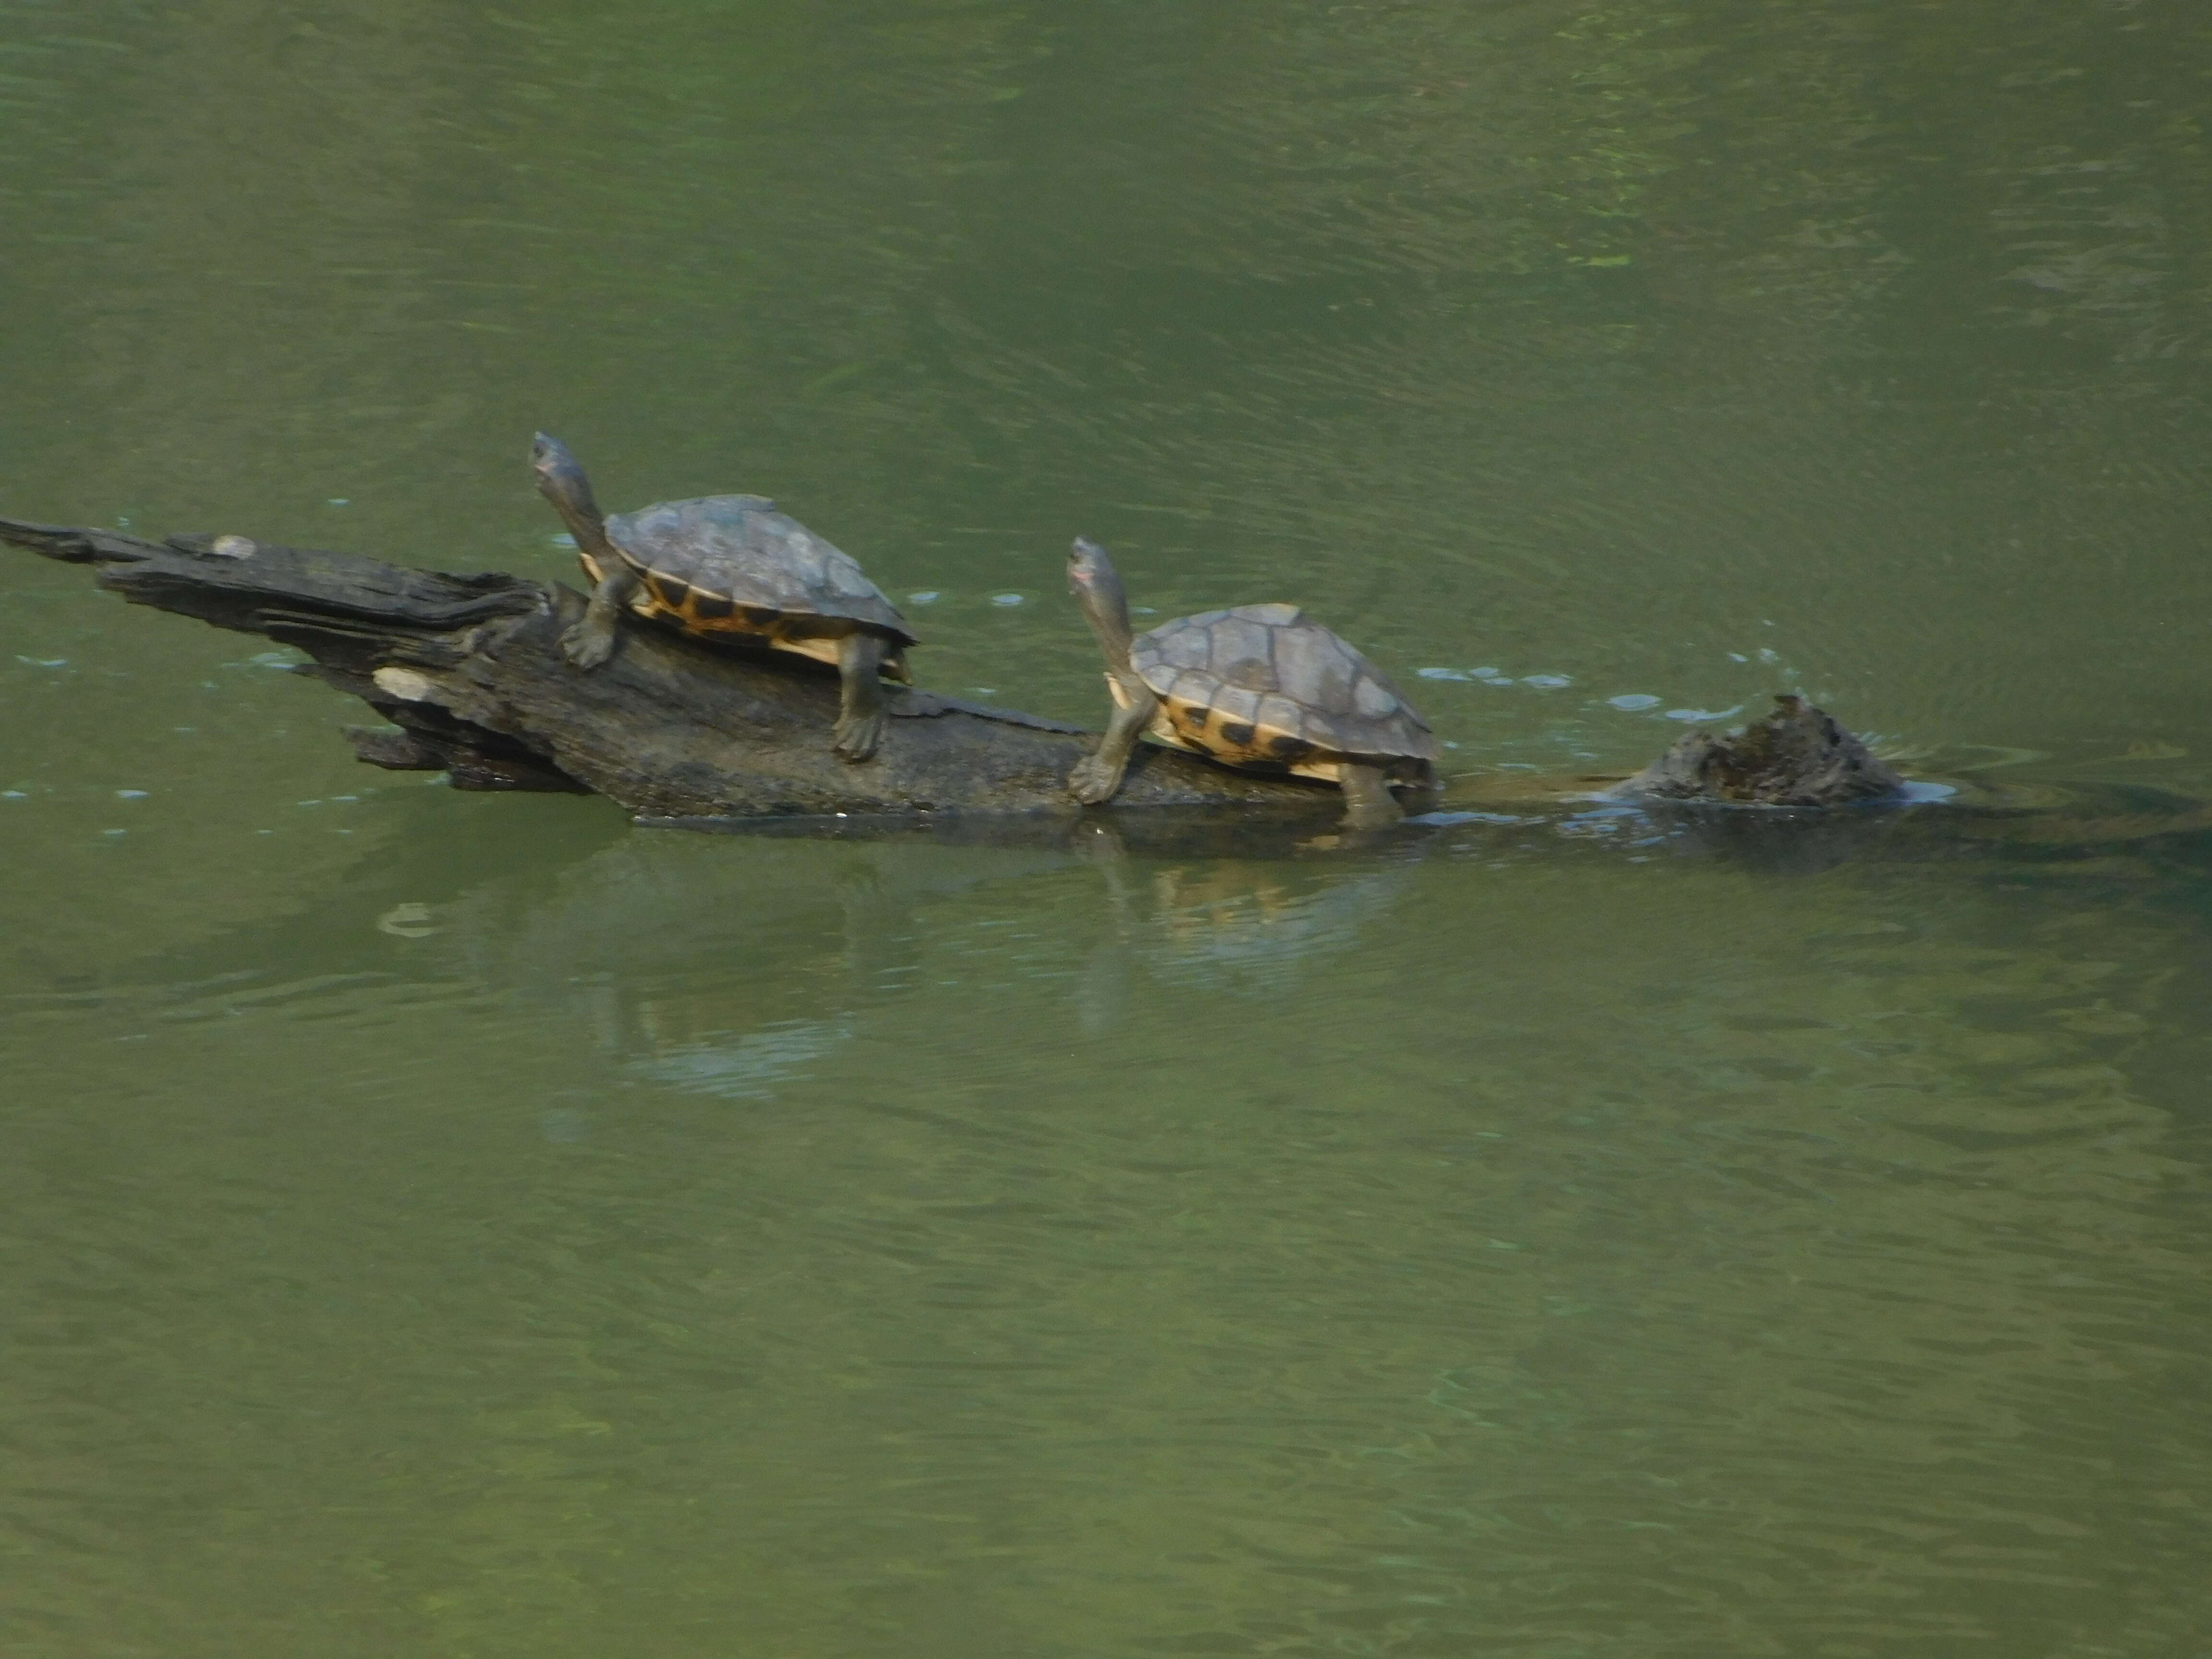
(856, 736)
(588, 647)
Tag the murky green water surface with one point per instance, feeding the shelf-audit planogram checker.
(459, 1225)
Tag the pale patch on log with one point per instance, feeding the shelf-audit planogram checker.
(405, 684)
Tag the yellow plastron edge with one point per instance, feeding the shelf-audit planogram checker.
(1161, 731)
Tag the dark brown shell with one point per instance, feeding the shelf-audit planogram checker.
(746, 567)
(1266, 684)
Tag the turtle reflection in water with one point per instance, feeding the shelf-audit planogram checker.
(1263, 687)
(729, 568)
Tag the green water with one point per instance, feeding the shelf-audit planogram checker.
(445, 1224)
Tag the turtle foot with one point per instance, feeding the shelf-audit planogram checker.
(1091, 783)
(586, 647)
(1378, 811)
(856, 736)
(1368, 802)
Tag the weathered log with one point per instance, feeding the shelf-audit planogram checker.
(470, 671)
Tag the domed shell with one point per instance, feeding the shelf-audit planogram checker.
(1264, 684)
(711, 560)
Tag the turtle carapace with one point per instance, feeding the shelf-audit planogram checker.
(1264, 687)
(729, 568)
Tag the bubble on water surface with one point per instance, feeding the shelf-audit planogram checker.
(338, 500)
(410, 921)
(1443, 674)
(14, 794)
(927, 596)
(1548, 682)
(1005, 599)
(131, 794)
(1630, 702)
(45, 662)
(561, 539)
(1702, 714)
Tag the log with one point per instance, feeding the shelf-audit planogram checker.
(467, 669)
(467, 672)
(1796, 754)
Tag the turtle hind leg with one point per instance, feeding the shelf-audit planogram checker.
(1098, 775)
(591, 642)
(1368, 802)
(860, 657)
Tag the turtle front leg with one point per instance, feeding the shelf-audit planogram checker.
(1368, 802)
(592, 641)
(1098, 775)
(859, 695)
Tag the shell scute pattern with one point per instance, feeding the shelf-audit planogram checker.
(1375, 700)
(1243, 652)
(1316, 667)
(1183, 645)
(1266, 684)
(1277, 712)
(1234, 703)
(736, 557)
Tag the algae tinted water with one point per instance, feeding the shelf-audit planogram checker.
(459, 1225)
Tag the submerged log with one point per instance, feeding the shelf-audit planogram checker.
(1796, 756)
(469, 670)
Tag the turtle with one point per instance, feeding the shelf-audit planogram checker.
(730, 568)
(1263, 687)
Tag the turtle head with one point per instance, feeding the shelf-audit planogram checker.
(1094, 582)
(563, 482)
(560, 479)
(1088, 567)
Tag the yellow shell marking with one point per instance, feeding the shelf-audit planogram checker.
(1162, 730)
(648, 604)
